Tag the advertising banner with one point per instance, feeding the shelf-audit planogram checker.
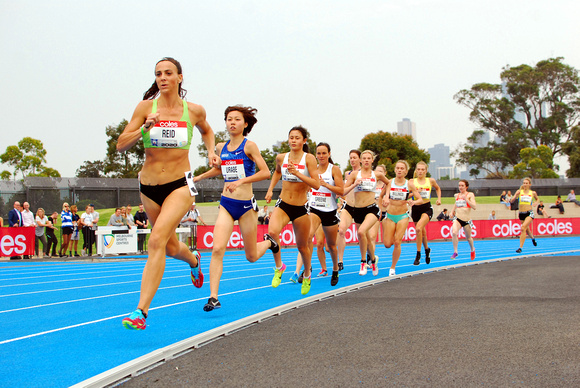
(17, 241)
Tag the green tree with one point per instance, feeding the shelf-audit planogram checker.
(220, 137)
(122, 164)
(546, 95)
(5, 175)
(91, 169)
(391, 147)
(535, 163)
(572, 149)
(28, 158)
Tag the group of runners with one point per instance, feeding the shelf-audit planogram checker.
(311, 188)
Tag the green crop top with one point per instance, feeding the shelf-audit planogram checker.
(169, 133)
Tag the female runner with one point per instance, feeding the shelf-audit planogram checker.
(395, 198)
(166, 126)
(526, 197)
(323, 210)
(239, 158)
(464, 202)
(423, 211)
(374, 231)
(347, 209)
(366, 211)
(297, 169)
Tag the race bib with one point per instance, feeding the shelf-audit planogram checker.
(233, 170)
(398, 194)
(460, 203)
(425, 194)
(169, 134)
(367, 184)
(320, 200)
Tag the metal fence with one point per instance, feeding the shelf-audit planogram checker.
(50, 193)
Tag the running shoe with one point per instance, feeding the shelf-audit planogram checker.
(340, 266)
(472, 255)
(376, 259)
(417, 259)
(363, 268)
(519, 250)
(212, 304)
(294, 278)
(305, 286)
(274, 247)
(196, 275)
(278, 275)
(534, 242)
(135, 321)
(392, 272)
(454, 256)
(375, 268)
(334, 278)
(427, 257)
(322, 273)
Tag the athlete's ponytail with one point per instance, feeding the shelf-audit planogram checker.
(305, 135)
(153, 91)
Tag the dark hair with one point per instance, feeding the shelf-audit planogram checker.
(249, 114)
(321, 144)
(355, 151)
(153, 91)
(464, 181)
(304, 133)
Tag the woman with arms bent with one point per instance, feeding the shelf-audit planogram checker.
(346, 212)
(526, 196)
(464, 202)
(239, 158)
(166, 126)
(297, 169)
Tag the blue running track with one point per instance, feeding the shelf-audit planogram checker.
(60, 322)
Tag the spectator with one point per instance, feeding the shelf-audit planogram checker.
(503, 199)
(540, 209)
(74, 244)
(27, 220)
(117, 219)
(264, 215)
(15, 221)
(190, 220)
(95, 215)
(66, 228)
(142, 222)
(86, 221)
(129, 216)
(443, 216)
(41, 223)
(492, 215)
(558, 205)
(50, 237)
(572, 198)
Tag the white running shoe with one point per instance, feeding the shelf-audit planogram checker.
(375, 268)
(376, 259)
(392, 272)
(363, 269)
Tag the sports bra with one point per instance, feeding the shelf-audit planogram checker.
(301, 167)
(236, 164)
(324, 199)
(399, 193)
(366, 184)
(424, 189)
(526, 198)
(175, 134)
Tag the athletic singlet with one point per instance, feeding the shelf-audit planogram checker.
(169, 133)
(324, 199)
(424, 189)
(526, 199)
(459, 203)
(366, 184)
(236, 164)
(399, 193)
(300, 167)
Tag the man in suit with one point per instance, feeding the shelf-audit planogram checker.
(15, 220)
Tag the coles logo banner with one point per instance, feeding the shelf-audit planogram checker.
(436, 230)
(16, 241)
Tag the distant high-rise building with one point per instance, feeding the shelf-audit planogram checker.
(440, 165)
(407, 127)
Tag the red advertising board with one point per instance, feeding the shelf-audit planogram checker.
(436, 230)
(16, 241)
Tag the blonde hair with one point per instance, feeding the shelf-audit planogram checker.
(382, 166)
(418, 163)
(526, 179)
(373, 155)
(64, 204)
(40, 210)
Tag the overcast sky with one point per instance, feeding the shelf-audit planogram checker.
(340, 68)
